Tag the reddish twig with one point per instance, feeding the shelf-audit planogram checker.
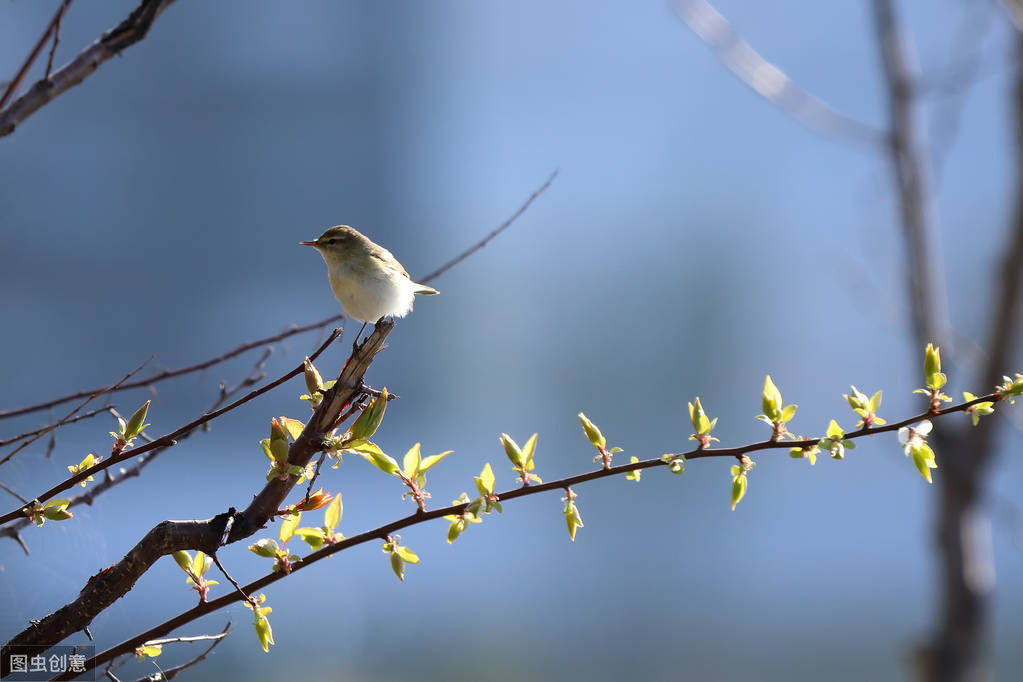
(15, 83)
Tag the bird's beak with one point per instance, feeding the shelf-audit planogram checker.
(308, 243)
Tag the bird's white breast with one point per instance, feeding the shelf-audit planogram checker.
(371, 294)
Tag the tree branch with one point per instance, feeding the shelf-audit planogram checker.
(170, 373)
(127, 33)
(167, 439)
(418, 517)
(169, 536)
(926, 280)
(51, 29)
(500, 228)
(770, 82)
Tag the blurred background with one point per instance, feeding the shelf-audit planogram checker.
(696, 239)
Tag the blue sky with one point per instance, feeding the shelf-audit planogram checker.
(696, 239)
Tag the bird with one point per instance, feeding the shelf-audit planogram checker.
(367, 280)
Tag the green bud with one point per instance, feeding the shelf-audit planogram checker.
(511, 448)
(771, 401)
(594, 435)
(369, 421)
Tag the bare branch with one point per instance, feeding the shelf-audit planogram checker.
(906, 149)
(171, 673)
(56, 39)
(12, 530)
(208, 536)
(168, 439)
(51, 28)
(769, 81)
(72, 413)
(43, 430)
(125, 34)
(170, 373)
(500, 228)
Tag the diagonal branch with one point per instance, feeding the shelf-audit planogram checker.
(167, 537)
(770, 82)
(498, 230)
(167, 439)
(171, 373)
(127, 33)
(421, 516)
(52, 28)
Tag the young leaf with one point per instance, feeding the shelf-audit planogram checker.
(594, 435)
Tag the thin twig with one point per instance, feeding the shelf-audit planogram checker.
(15, 83)
(500, 228)
(234, 582)
(56, 38)
(769, 81)
(12, 530)
(170, 373)
(50, 427)
(12, 493)
(170, 438)
(171, 673)
(418, 517)
(72, 413)
(133, 29)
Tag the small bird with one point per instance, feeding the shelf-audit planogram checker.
(366, 278)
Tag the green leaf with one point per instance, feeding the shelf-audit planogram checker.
(398, 566)
(135, 423)
(835, 431)
(738, 487)
(594, 435)
(267, 547)
(485, 481)
(511, 448)
(528, 450)
(148, 651)
(407, 554)
(932, 362)
(199, 565)
(635, 474)
(385, 463)
(771, 401)
(183, 560)
(429, 461)
(314, 537)
(788, 413)
(363, 447)
(264, 632)
(294, 427)
(288, 526)
(278, 441)
(369, 421)
(410, 464)
(332, 516)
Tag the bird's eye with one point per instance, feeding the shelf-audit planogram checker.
(331, 240)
